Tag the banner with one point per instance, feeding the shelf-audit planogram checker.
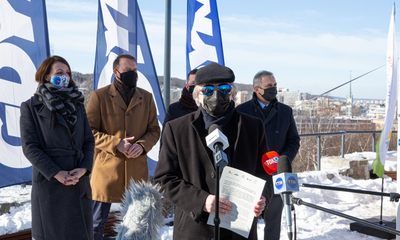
(121, 30)
(391, 97)
(203, 39)
(24, 45)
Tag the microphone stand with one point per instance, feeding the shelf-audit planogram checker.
(299, 202)
(221, 161)
(217, 220)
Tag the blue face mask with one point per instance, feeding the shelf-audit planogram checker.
(60, 81)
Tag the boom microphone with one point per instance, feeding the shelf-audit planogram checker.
(285, 182)
(141, 212)
(217, 142)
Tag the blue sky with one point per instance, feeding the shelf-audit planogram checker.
(310, 45)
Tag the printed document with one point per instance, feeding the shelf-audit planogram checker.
(243, 190)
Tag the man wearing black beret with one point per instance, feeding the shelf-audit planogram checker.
(186, 169)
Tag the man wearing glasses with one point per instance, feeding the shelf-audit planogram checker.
(281, 133)
(186, 169)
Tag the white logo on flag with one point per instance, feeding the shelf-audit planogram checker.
(204, 25)
(15, 93)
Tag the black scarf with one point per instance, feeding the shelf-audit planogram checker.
(187, 100)
(125, 91)
(60, 100)
(221, 121)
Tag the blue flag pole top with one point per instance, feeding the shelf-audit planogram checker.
(121, 31)
(24, 44)
(203, 41)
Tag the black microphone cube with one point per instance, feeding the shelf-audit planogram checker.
(221, 160)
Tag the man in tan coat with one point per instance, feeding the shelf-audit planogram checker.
(124, 123)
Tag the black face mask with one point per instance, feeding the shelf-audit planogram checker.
(191, 89)
(270, 94)
(216, 104)
(128, 78)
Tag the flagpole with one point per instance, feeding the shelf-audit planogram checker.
(167, 53)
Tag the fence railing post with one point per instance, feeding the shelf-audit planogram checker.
(373, 142)
(319, 153)
(343, 139)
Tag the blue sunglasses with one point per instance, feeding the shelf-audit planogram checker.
(209, 89)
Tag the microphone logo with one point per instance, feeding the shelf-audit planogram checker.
(292, 182)
(279, 183)
(271, 161)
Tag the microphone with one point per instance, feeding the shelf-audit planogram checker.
(270, 162)
(141, 211)
(286, 182)
(217, 142)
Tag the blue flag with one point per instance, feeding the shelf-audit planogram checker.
(121, 31)
(24, 45)
(203, 40)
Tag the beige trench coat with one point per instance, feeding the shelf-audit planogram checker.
(111, 121)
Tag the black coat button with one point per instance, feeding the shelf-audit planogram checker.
(277, 131)
(127, 134)
(127, 114)
(213, 175)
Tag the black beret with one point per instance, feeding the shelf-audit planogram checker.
(214, 73)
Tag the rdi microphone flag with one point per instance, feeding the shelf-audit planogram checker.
(270, 162)
(24, 44)
(203, 39)
(120, 30)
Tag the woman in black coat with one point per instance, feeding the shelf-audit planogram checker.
(58, 141)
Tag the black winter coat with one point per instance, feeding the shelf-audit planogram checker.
(280, 127)
(187, 174)
(175, 111)
(58, 211)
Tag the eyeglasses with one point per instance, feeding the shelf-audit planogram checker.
(209, 89)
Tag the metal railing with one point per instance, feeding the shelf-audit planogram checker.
(343, 133)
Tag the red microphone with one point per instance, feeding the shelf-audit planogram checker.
(270, 162)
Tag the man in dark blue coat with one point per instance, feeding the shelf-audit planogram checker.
(281, 133)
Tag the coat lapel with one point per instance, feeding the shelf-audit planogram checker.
(46, 113)
(116, 97)
(136, 99)
(270, 115)
(236, 118)
(198, 126)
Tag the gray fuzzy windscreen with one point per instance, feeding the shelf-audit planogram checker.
(141, 212)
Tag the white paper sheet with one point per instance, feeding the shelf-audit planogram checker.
(243, 190)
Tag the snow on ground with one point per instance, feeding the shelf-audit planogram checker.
(390, 163)
(311, 224)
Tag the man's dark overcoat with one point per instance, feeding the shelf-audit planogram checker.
(282, 137)
(280, 127)
(176, 110)
(187, 174)
(58, 211)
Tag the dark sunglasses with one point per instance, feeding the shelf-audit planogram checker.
(209, 89)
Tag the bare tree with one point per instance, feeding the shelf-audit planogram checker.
(324, 121)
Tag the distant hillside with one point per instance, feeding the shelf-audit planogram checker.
(179, 83)
(80, 78)
(175, 82)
